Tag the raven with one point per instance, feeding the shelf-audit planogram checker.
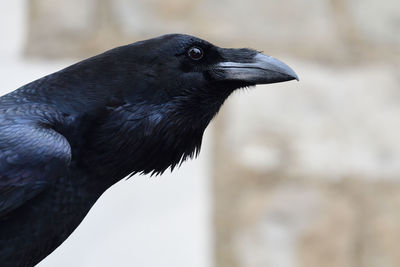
(136, 109)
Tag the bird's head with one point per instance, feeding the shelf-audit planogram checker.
(194, 73)
(171, 87)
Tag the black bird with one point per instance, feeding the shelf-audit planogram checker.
(139, 108)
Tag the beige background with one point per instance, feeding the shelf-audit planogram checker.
(293, 175)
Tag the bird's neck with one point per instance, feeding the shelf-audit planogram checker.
(145, 138)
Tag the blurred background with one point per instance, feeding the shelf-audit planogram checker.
(291, 175)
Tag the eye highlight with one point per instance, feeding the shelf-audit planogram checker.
(195, 53)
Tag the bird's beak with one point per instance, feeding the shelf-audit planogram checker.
(262, 69)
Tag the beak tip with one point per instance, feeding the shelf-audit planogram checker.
(278, 66)
(290, 72)
(294, 76)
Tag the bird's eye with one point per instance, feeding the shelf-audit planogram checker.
(195, 53)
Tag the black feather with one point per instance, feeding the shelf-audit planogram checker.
(69, 136)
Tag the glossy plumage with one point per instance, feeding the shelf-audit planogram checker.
(140, 108)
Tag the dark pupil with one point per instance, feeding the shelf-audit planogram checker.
(195, 53)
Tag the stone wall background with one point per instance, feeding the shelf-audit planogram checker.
(305, 174)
